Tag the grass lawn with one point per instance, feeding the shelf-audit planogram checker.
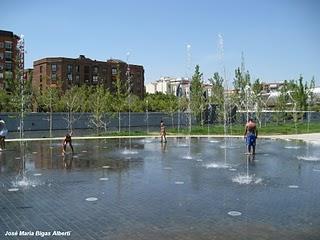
(236, 129)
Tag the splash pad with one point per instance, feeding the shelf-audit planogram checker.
(109, 180)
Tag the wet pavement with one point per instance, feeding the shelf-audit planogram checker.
(199, 188)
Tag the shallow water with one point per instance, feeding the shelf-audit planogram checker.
(147, 190)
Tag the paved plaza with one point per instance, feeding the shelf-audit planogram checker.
(198, 188)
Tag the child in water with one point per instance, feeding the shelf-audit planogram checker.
(251, 134)
(163, 132)
(3, 134)
(67, 140)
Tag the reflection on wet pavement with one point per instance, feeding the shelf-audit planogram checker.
(142, 189)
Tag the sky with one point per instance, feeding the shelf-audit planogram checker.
(279, 39)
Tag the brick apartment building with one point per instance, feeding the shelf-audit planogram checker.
(8, 56)
(64, 73)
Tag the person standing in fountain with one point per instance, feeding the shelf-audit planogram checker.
(251, 134)
(163, 132)
(67, 140)
(3, 134)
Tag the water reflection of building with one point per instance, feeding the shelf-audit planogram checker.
(47, 156)
(9, 163)
(91, 154)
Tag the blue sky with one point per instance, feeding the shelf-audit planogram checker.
(279, 38)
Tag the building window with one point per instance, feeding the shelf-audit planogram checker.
(1, 44)
(69, 68)
(1, 75)
(69, 77)
(40, 78)
(8, 55)
(114, 71)
(53, 68)
(8, 66)
(86, 78)
(41, 69)
(8, 45)
(77, 79)
(77, 68)
(1, 67)
(8, 75)
(86, 74)
(1, 55)
(95, 78)
(95, 70)
(53, 77)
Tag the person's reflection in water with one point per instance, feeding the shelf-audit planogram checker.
(163, 147)
(67, 162)
(251, 160)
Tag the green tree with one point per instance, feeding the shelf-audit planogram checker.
(4, 101)
(19, 90)
(49, 100)
(302, 93)
(156, 102)
(183, 103)
(257, 89)
(240, 83)
(28, 93)
(171, 106)
(119, 95)
(100, 100)
(217, 95)
(137, 104)
(282, 103)
(299, 93)
(12, 85)
(74, 100)
(196, 94)
(311, 100)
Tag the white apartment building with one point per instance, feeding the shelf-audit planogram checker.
(170, 85)
(175, 86)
